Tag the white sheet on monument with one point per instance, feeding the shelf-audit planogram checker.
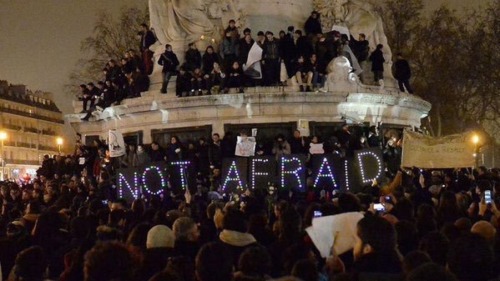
(255, 54)
(340, 228)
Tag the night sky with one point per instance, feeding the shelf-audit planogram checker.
(40, 39)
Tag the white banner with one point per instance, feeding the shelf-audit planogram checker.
(116, 144)
(455, 151)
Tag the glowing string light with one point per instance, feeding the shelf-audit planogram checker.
(360, 157)
(182, 171)
(122, 183)
(295, 172)
(254, 173)
(236, 178)
(346, 168)
(328, 173)
(163, 184)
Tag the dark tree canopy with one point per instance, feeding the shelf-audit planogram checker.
(455, 58)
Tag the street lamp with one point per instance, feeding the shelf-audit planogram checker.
(59, 142)
(3, 137)
(475, 141)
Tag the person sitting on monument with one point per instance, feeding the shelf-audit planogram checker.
(302, 46)
(197, 82)
(169, 62)
(193, 57)
(215, 79)
(234, 78)
(208, 59)
(319, 77)
(136, 59)
(303, 74)
(183, 82)
(114, 71)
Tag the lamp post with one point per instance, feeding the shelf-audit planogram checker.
(3, 137)
(59, 142)
(475, 141)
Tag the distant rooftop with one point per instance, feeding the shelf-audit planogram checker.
(20, 94)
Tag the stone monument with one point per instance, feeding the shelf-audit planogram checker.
(180, 22)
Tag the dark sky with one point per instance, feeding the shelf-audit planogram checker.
(40, 39)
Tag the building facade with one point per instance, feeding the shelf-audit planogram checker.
(31, 124)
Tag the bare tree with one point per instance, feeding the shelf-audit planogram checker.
(110, 39)
(455, 62)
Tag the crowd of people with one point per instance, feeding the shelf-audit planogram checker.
(294, 55)
(68, 224)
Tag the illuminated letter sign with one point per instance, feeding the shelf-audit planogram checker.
(371, 164)
(234, 174)
(292, 172)
(154, 185)
(262, 171)
(179, 174)
(325, 174)
(128, 189)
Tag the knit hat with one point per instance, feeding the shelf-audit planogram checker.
(160, 236)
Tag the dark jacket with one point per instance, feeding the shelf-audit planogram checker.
(147, 40)
(169, 61)
(402, 70)
(360, 49)
(271, 50)
(377, 59)
(208, 61)
(312, 26)
(193, 59)
(375, 264)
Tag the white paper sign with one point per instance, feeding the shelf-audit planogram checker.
(116, 144)
(316, 148)
(245, 146)
(340, 228)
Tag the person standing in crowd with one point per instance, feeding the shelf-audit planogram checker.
(377, 59)
(402, 73)
(147, 39)
(271, 60)
(235, 78)
(297, 143)
(281, 147)
(169, 62)
(157, 153)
